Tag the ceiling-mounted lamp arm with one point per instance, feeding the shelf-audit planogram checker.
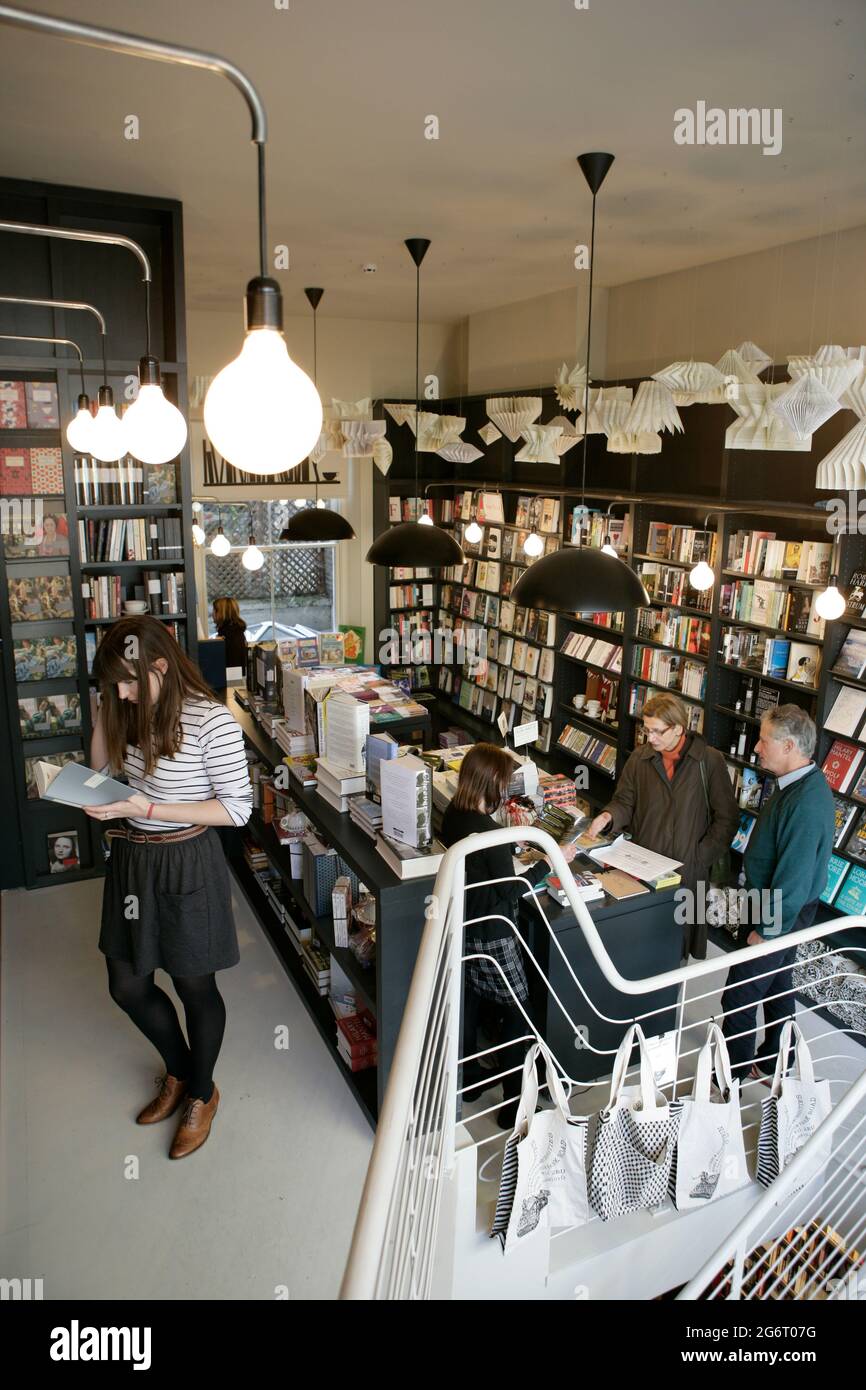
(135, 45)
(34, 338)
(56, 304)
(71, 234)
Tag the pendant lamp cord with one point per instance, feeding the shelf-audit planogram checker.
(104, 362)
(417, 366)
(147, 317)
(588, 345)
(263, 251)
(316, 384)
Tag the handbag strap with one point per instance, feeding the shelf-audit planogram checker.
(713, 1059)
(801, 1066)
(620, 1068)
(703, 767)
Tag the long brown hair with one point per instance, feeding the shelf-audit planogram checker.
(484, 777)
(138, 643)
(225, 610)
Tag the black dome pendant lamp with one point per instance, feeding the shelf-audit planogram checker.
(317, 523)
(583, 579)
(411, 543)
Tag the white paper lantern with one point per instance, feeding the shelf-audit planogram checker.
(360, 436)
(489, 433)
(569, 436)
(805, 405)
(512, 414)
(539, 446)
(400, 413)
(845, 465)
(570, 386)
(757, 426)
(435, 431)
(855, 397)
(652, 410)
(608, 408)
(753, 356)
(691, 383)
(383, 454)
(352, 410)
(630, 442)
(460, 452)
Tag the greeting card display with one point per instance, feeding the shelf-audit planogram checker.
(46, 472)
(46, 537)
(49, 716)
(41, 598)
(63, 851)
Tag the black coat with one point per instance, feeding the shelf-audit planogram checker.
(495, 862)
(234, 636)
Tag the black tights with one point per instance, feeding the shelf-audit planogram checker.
(154, 1014)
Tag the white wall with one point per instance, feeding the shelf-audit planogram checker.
(521, 345)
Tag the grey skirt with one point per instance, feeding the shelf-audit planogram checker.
(169, 907)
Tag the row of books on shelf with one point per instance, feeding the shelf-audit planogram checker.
(765, 602)
(582, 646)
(760, 552)
(668, 541)
(842, 769)
(31, 472)
(595, 529)
(105, 594)
(124, 483)
(671, 584)
(29, 405)
(846, 887)
(491, 644)
(670, 670)
(489, 706)
(672, 629)
(498, 543)
(130, 538)
(752, 788)
(533, 695)
(532, 513)
(851, 661)
(639, 695)
(778, 657)
(588, 748)
(536, 624)
(411, 595)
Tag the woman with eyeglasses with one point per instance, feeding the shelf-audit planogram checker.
(167, 898)
(676, 798)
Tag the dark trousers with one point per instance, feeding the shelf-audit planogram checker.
(510, 1024)
(744, 991)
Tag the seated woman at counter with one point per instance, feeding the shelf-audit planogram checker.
(481, 789)
(676, 798)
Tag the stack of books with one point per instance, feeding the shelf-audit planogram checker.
(254, 855)
(589, 749)
(337, 784)
(356, 1041)
(366, 814)
(589, 888)
(317, 964)
(407, 861)
(296, 745)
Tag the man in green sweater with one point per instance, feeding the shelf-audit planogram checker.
(786, 861)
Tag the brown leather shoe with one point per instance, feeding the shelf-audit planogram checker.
(171, 1093)
(194, 1126)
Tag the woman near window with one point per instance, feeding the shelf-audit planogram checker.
(232, 629)
(167, 898)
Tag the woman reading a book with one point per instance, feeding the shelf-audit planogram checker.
(481, 789)
(167, 898)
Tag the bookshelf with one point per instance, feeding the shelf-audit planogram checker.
(54, 269)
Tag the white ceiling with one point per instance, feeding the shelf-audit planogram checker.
(520, 87)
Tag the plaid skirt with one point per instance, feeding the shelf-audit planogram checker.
(484, 977)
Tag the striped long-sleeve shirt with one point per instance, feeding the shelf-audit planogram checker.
(210, 762)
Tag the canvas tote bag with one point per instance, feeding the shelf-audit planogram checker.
(543, 1181)
(796, 1106)
(631, 1142)
(710, 1156)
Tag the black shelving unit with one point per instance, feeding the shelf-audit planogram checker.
(110, 279)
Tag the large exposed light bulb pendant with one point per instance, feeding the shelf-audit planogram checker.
(78, 431)
(155, 430)
(220, 543)
(107, 435)
(262, 412)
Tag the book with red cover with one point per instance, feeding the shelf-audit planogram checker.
(841, 764)
(358, 1036)
(15, 473)
(13, 406)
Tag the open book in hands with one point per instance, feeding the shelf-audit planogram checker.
(77, 785)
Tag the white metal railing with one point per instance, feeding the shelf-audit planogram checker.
(411, 1202)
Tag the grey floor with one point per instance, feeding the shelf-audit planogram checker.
(91, 1203)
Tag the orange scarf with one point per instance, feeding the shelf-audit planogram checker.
(671, 759)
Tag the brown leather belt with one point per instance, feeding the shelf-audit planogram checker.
(153, 837)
